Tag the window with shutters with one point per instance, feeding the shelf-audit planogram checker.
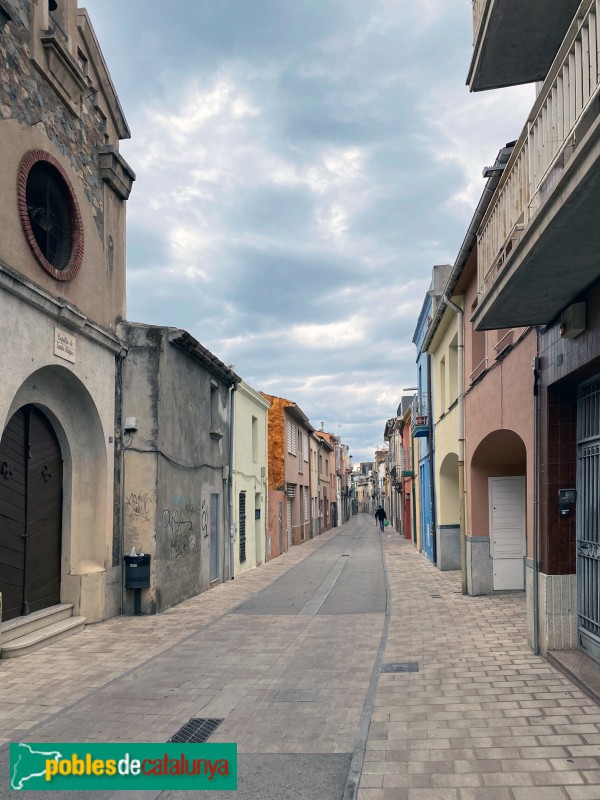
(292, 444)
(305, 492)
(305, 453)
(242, 524)
(300, 451)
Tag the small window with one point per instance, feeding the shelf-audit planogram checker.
(255, 440)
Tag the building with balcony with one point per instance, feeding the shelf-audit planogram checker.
(538, 246)
(421, 416)
(441, 345)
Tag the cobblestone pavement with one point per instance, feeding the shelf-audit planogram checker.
(483, 718)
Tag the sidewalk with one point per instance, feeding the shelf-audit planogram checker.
(483, 718)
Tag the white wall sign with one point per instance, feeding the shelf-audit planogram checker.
(64, 345)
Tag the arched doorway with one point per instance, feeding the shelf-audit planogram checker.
(30, 514)
(498, 507)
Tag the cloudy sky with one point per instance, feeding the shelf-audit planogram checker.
(300, 168)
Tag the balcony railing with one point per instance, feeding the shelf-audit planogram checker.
(564, 110)
(406, 466)
(419, 417)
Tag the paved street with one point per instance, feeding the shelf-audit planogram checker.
(289, 656)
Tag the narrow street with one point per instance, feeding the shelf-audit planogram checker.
(296, 657)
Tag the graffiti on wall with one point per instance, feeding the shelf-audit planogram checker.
(180, 524)
(138, 505)
(204, 519)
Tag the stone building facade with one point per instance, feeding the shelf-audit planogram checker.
(63, 193)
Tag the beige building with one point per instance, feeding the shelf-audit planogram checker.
(250, 478)
(62, 293)
(441, 343)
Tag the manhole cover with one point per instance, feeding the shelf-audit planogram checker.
(403, 666)
(196, 730)
(296, 696)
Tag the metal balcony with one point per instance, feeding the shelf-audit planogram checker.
(515, 41)
(419, 418)
(539, 240)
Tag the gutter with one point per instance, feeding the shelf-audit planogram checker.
(232, 390)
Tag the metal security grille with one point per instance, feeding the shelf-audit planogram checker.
(242, 527)
(196, 731)
(588, 517)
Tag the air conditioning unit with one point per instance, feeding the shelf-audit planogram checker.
(572, 321)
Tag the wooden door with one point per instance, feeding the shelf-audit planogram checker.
(30, 514)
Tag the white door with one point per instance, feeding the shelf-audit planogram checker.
(507, 531)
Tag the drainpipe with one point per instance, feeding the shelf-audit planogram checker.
(536, 569)
(431, 468)
(414, 499)
(461, 440)
(232, 390)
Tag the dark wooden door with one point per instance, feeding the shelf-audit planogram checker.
(13, 478)
(30, 514)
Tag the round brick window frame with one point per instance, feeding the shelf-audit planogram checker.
(28, 161)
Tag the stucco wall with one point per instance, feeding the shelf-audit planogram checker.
(250, 475)
(500, 399)
(78, 399)
(173, 466)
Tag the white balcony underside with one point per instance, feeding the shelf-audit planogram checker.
(516, 40)
(558, 255)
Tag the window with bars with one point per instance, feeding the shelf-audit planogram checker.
(242, 524)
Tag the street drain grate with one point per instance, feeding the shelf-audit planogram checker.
(403, 666)
(196, 731)
(435, 595)
(296, 696)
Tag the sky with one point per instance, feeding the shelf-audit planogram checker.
(301, 166)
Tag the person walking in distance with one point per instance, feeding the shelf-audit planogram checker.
(380, 516)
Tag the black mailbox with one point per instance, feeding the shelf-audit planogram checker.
(137, 572)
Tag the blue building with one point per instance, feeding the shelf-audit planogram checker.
(420, 421)
(422, 414)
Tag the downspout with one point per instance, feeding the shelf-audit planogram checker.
(536, 569)
(461, 441)
(431, 469)
(414, 499)
(232, 390)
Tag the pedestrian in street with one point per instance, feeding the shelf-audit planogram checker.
(380, 516)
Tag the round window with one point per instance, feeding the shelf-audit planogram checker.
(50, 215)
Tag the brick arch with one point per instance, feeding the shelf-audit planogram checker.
(76, 258)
